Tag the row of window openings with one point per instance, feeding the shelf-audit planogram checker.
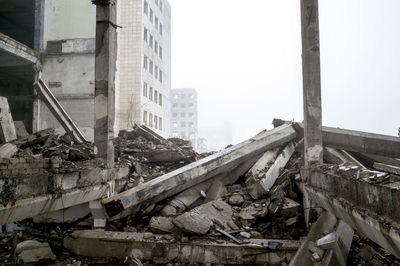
(152, 121)
(183, 115)
(183, 124)
(183, 135)
(148, 38)
(183, 105)
(153, 18)
(183, 96)
(152, 68)
(153, 96)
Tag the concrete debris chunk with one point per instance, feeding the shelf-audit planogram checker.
(328, 241)
(160, 224)
(20, 129)
(32, 251)
(200, 220)
(8, 150)
(7, 128)
(236, 199)
(216, 191)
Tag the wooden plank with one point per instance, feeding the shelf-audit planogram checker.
(197, 172)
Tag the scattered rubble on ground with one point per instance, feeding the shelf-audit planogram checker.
(243, 205)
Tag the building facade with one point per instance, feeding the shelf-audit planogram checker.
(144, 64)
(60, 34)
(184, 110)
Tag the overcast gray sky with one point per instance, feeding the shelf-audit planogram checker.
(244, 58)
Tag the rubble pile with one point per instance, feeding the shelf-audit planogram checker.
(166, 204)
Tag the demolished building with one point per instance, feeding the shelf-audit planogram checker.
(299, 194)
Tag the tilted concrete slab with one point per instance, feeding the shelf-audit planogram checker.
(352, 140)
(384, 232)
(17, 52)
(160, 248)
(197, 172)
(7, 128)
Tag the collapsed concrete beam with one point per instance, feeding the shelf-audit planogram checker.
(31, 207)
(387, 168)
(7, 128)
(160, 248)
(382, 232)
(261, 187)
(18, 49)
(262, 165)
(197, 172)
(356, 141)
(58, 111)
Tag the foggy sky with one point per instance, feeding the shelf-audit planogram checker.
(244, 59)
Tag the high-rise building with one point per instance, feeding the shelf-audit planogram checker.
(184, 118)
(144, 64)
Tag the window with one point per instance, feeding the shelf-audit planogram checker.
(160, 99)
(156, 96)
(156, 71)
(151, 120)
(151, 67)
(183, 105)
(175, 124)
(156, 2)
(145, 118)
(183, 96)
(191, 104)
(156, 121)
(156, 47)
(183, 124)
(145, 66)
(151, 16)
(151, 41)
(160, 30)
(146, 8)
(191, 124)
(160, 52)
(160, 75)
(183, 114)
(174, 115)
(156, 22)
(145, 89)
(160, 123)
(192, 135)
(145, 33)
(191, 96)
(191, 114)
(175, 105)
(183, 135)
(161, 5)
(151, 94)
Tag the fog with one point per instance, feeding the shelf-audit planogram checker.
(244, 59)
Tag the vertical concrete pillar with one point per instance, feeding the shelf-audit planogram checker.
(105, 66)
(311, 83)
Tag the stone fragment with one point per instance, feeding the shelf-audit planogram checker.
(32, 251)
(290, 208)
(216, 191)
(253, 211)
(245, 234)
(233, 225)
(200, 220)
(236, 199)
(160, 224)
(148, 235)
(8, 150)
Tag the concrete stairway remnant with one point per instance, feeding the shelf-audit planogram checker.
(57, 110)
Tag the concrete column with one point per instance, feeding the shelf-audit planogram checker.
(311, 83)
(105, 66)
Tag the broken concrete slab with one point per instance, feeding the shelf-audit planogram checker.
(261, 187)
(201, 219)
(67, 215)
(289, 208)
(352, 140)
(174, 182)
(216, 191)
(8, 150)
(32, 251)
(261, 166)
(7, 128)
(163, 225)
(380, 166)
(121, 244)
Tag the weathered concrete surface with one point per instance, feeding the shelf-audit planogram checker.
(201, 219)
(8, 150)
(32, 251)
(105, 68)
(261, 187)
(67, 215)
(387, 168)
(384, 232)
(23, 52)
(7, 128)
(57, 110)
(32, 207)
(313, 150)
(352, 140)
(176, 181)
(160, 224)
(262, 165)
(120, 244)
